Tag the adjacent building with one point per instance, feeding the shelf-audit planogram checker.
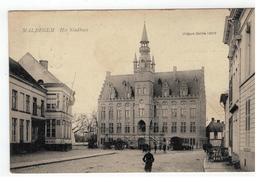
(215, 132)
(149, 106)
(48, 103)
(239, 35)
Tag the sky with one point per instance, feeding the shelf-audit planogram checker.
(86, 44)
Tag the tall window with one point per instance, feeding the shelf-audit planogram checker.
(118, 128)
(192, 112)
(42, 107)
(34, 106)
(103, 113)
(164, 127)
(119, 114)
(28, 103)
(110, 113)
(141, 112)
(155, 111)
(183, 127)
(144, 90)
(21, 130)
(174, 113)
(14, 124)
(103, 128)
(155, 127)
(183, 113)
(14, 99)
(174, 127)
(111, 128)
(127, 114)
(53, 128)
(192, 127)
(22, 102)
(247, 127)
(127, 128)
(27, 129)
(164, 113)
(48, 128)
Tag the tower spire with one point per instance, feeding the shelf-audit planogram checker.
(144, 38)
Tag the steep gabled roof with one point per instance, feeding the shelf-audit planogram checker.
(16, 70)
(215, 126)
(192, 79)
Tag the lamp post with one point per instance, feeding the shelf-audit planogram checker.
(150, 128)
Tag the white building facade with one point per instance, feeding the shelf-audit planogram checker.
(239, 34)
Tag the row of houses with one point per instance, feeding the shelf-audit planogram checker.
(40, 107)
(239, 101)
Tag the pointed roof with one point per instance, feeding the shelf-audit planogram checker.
(144, 35)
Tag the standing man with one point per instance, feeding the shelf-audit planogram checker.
(148, 159)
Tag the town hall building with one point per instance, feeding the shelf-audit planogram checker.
(151, 107)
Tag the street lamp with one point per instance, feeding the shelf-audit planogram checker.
(150, 128)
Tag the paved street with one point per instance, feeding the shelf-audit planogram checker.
(122, 161)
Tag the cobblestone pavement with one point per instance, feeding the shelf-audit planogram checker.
(126, 161)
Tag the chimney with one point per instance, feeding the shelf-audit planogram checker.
(108, 74)
(44, 64)
(174, 71)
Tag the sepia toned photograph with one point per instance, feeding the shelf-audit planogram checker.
(118, 91)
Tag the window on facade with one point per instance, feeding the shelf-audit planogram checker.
(103, 113)
(42, 107)
(174, 113)
(174, 127)
(192, 113)
(164, 113)
(127, 114)
(110, 113)
(183, 113)
(27, 129)
(14, 125)
(155, 111)
(118, 128)
(164, 127)
(138, 91)
(141, 112)
(111, 128)
(192, 127)
(144, 90)
(119, 115)
(14, 99)
(103, 128)
(155, 127)
(22, 101)
(53, 128)
(21, 130)
(215, 135)
(48, 128)
(183, 127)
(127, 128)
(28, 103)
(34, 106)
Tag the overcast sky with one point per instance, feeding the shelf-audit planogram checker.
(108, 40)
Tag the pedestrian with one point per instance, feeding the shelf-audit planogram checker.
(155, 148)
(164, 148)
(148, 159)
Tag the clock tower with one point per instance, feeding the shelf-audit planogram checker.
(144, 68)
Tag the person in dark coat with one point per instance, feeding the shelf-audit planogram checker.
(148, 159)
(155, 148)
(164, 148)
